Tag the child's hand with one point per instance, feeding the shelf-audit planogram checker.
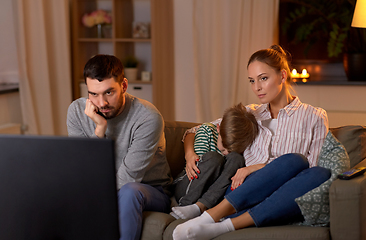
(191, 167)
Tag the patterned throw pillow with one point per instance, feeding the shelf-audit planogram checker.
(314, 204)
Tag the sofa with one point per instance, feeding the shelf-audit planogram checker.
(347, 197)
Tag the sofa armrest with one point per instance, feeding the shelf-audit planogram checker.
(348, 208)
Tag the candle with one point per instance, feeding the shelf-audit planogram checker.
(295, 74)
(304, 74)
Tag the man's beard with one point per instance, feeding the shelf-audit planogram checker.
(110, 114)
(114, 111)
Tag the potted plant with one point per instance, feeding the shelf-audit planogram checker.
(130, 68)
(317, 20)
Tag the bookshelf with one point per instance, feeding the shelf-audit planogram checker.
(155, 53)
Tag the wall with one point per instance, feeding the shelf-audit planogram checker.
(185, 109)
(344, 104)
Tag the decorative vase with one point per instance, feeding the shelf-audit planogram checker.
(131, 74)
(354, 66)
(107, 31)
(99, 30)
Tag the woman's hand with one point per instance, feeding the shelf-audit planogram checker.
(239, 177)
(242, 173)
(191, 167)
(191, 157)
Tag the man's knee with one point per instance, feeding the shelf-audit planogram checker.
(130, 191)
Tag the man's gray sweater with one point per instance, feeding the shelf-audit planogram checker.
(138, 133)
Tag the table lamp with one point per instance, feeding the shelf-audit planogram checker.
(359, 16)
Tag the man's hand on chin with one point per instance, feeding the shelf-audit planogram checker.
(101, 123)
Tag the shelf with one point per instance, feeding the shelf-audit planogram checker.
(117, 39)
(82, 81)
(132, 40)
(331, 80)
(155, 54)
(8, 88)
(340, 83)
(139, 82)
(95, 40)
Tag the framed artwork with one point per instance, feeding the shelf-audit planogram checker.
(141, 30)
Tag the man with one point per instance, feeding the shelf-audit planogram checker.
(143, 173)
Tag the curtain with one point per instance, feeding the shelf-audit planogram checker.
(43, 50)
(225, 34)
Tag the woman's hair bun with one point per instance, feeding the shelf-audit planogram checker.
(279, 49)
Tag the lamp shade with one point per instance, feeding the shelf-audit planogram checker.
(359, 16)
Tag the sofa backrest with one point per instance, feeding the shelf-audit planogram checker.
(353, 138)
(174, 132)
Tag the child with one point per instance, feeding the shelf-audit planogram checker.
(220, 150)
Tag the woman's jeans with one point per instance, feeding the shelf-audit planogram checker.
(268, 194)
(133, 199)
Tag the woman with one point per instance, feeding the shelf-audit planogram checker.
(277, 163)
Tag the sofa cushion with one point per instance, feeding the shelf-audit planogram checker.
(353, 138)
(314, 204)
(278, 233)
(289, 232)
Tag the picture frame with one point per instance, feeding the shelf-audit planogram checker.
(141, 30)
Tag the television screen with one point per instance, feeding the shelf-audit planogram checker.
(57, 188)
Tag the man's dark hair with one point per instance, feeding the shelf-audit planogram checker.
(102, 67)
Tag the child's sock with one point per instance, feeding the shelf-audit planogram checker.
(202, 231)
(203, 219)
(187, 212)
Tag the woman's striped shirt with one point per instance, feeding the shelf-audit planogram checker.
(301, 128)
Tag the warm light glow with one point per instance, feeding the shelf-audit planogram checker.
(294, 74)
(304, 74)
(359, 16)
